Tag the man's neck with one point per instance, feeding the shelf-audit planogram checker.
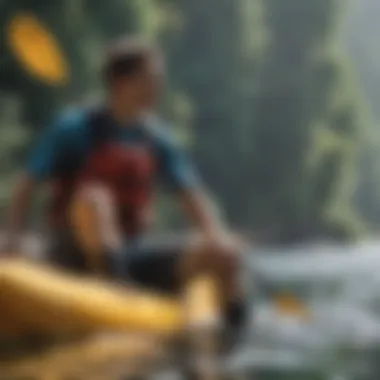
(121, 114)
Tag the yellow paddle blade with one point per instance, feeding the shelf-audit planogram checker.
(203, 306)
(287, 305)
(203, 301)
(36, 49)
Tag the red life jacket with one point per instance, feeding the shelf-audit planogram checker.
(129, 172)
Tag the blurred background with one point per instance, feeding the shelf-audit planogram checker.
(277, 100)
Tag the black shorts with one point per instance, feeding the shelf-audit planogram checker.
(151, 262)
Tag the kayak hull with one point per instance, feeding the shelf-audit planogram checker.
(38, 299)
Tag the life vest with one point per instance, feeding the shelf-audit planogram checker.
(128, 171)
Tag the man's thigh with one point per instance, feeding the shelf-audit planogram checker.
(154, 262)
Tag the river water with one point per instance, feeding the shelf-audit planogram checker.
(332, 332)
(338, 287)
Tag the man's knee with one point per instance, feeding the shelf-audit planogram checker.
(94, 218)
(95, 194)
(208, 256)
(225, 259)
(91, 205)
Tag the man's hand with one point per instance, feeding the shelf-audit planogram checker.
(202, 212)
(225, 241)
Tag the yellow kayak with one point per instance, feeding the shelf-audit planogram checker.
(94, 357)
(38, 299)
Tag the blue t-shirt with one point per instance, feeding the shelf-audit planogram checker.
(67, 143)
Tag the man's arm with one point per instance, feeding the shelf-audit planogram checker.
(38, 168)
(201, 211)
(181, 177)
(18, 209)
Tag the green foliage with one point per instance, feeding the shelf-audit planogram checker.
(361, 40)
(13, 139)
(276, 123)
(215, 56)
(307, 118)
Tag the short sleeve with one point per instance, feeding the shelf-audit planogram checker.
(51, 146)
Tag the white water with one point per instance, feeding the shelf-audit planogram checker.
(340, 288)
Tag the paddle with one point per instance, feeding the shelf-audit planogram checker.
(203, 315)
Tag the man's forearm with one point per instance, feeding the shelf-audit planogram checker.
(19, 206)
(202, 212)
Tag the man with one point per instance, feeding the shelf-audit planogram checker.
(113, 157)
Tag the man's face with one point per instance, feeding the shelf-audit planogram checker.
(140, 91)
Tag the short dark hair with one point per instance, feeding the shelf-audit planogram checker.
(126, 56)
